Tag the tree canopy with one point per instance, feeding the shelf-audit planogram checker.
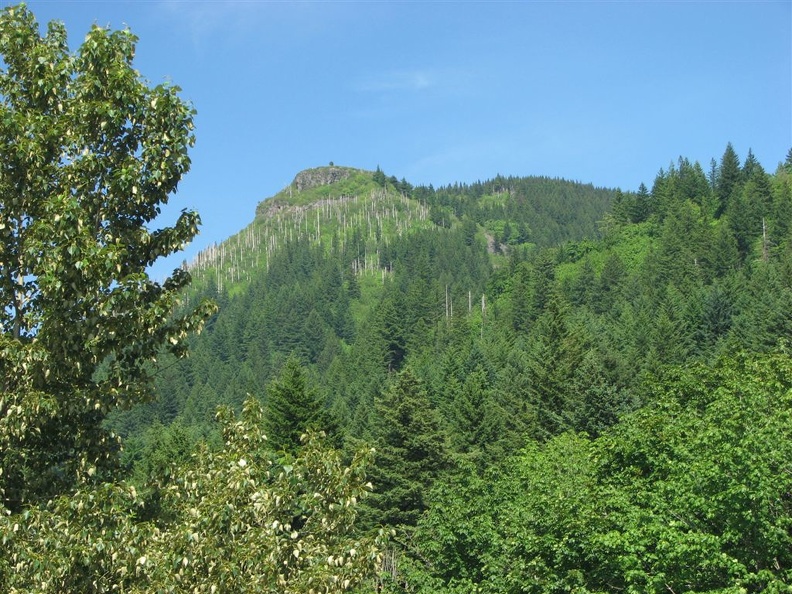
(90, 153)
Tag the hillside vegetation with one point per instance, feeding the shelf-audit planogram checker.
(568, 388)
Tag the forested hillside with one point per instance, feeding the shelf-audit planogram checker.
(363, 266)
(567, 387)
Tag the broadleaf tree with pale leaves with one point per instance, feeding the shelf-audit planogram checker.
(90, 153)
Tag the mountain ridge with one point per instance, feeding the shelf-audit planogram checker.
(326, 204)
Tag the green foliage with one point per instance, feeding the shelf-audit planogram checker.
(292, 408)
(551, 411)
(442, 353)
(90, 154)
(689, 494)
(347, 181)
(410, 448)
(729, 176)
(239, 519)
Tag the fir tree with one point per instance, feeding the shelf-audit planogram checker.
(292, 408)
(411, 452)
(729, 177)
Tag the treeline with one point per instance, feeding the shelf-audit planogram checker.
(541, 211)
(596, 408)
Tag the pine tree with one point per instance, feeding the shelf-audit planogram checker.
(780, 223)
(555, 355)
(611, 281)
(643, 205)
(292, 407)
(411, 453)
(390, 327)
(724, 256)
(730, 175)
(745, 216)
(475, 419)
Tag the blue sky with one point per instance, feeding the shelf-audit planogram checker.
(438, 92)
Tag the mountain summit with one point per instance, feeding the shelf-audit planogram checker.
(321, 176)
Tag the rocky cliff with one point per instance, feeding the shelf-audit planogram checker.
(320, 176)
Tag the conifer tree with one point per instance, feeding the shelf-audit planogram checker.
(730, 175)
(475, 419)
(554, 357)
(411, 452)
(724, 255)
(292, 408)
(643, 205)
(520, 298)
(390, 326)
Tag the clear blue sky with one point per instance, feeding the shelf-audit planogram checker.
(438, 92)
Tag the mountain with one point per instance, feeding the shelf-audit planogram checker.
(359, 274)
(329, 256)
(567, 386)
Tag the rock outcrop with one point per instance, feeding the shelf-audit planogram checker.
(320, 176)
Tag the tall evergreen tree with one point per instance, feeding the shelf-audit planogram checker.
(474, 419)
(724, 255)
(555, 354)
(643, 205)
(730, 175)
(411, 453)
(292, 407)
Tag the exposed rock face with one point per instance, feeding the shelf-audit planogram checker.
(320, 176)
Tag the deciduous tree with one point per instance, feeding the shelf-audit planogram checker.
(90, 153)
(241, 519)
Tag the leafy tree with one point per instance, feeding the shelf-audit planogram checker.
(689, 494)
(235, 520)
(456, 533)
(90, 154)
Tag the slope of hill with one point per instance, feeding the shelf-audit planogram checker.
(329, 255)
(481, 354)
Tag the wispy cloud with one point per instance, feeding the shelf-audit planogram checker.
(202, 20)
(398, 80)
